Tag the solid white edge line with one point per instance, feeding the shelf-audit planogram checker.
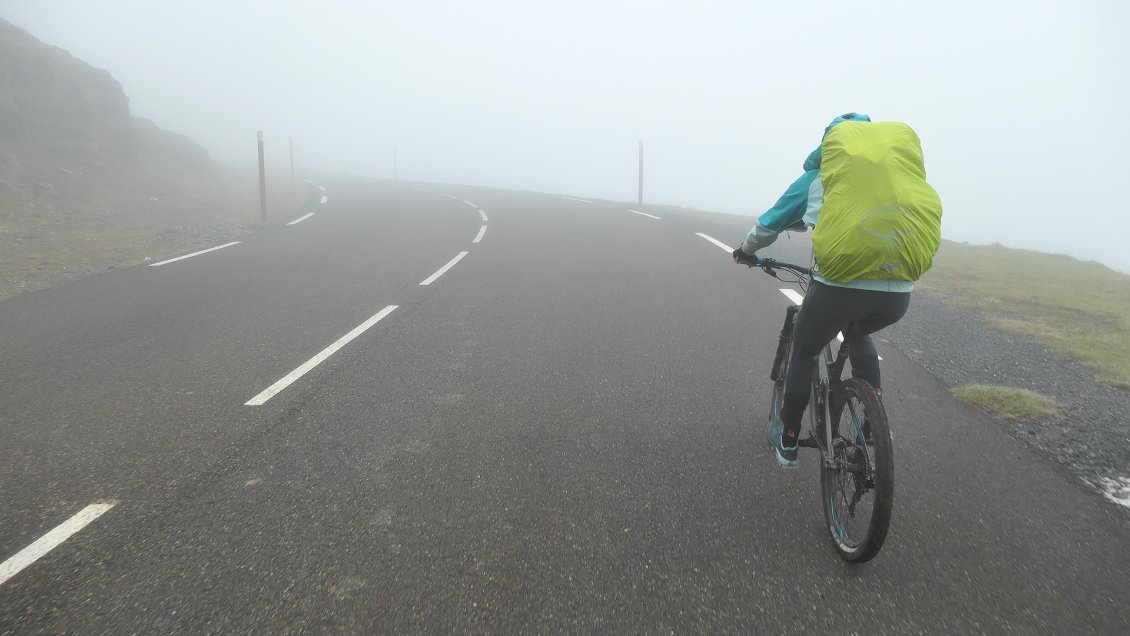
(325, 199)
(302, 218)
(576, 199)
(443, 270)
(470, 204)
(51, 540)
(650, 216)
(715, 241)
(289, 379)
(484, 215)
(797, 299)
(479, 236)
(181, 258)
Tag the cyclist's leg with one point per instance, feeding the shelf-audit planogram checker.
(885, 309)
(827, 310)
(818, 321)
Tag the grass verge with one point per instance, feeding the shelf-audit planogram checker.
(1077, 309)
(1009, 402)
(47, 241)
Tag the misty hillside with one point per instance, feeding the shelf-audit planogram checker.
(66, 129)
(86, 186)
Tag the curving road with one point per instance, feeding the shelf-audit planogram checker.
(450, 409)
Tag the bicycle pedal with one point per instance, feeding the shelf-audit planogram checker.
(808, 442)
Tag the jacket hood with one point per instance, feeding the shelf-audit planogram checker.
(846, 117)
(812, 162)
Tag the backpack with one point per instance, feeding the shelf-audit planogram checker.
(879, 219)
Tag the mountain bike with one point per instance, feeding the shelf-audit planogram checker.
(848, 426)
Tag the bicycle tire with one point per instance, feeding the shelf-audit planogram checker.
(862, 464)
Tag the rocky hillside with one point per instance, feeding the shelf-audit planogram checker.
(65, 123)
(86, 186)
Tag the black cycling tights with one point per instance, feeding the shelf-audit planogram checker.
(827, 310)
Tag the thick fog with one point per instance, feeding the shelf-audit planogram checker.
(1021, 106)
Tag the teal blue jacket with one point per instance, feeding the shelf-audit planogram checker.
(799, 209)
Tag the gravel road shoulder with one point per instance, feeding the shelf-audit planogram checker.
(958, 347)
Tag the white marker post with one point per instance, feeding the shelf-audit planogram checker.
(639, 202)
(262, 181)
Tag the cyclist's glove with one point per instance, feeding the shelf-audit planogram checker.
(741, 258)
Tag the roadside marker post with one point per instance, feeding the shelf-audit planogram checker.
(262, 181)
(639, 201)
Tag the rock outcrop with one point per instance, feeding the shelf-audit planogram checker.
(65, 124)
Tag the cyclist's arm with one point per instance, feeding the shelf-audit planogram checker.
(786, 213)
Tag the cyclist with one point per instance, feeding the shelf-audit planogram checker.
(872, 290)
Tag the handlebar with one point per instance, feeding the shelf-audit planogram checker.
(769, 264)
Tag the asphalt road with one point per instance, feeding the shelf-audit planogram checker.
(561, 433)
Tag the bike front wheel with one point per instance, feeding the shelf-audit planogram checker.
(857, 478)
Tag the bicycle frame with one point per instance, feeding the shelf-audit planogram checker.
(849, 469)
(826, 373)
(820, 399)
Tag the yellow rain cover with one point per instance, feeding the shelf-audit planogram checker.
(879, 218)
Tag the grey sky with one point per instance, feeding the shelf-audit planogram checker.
(1021, 106)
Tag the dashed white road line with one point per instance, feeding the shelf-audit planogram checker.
(650, 216)
(793, 295)
(443, 270)
(290, 378)
(52, 539)
(479, 236)
(301, 218)
(470, 204)
(181, 258)
(576, 199)
(450, 196)
(484, 215)
(715, 241)
(325, 198)
(322, 188)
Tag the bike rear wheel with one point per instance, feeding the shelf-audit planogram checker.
(857, 478)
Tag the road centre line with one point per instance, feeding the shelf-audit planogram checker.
(484, 215)
(715, 241)
(291, 377)
(450, 196)
(479, 237)
(576, 199)
(181, 258)
(470, 204)
(322, 188)
(325, 198)
(650, 216)
(443, 270)
(52, 539)
(301, 218)
(797, 299)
